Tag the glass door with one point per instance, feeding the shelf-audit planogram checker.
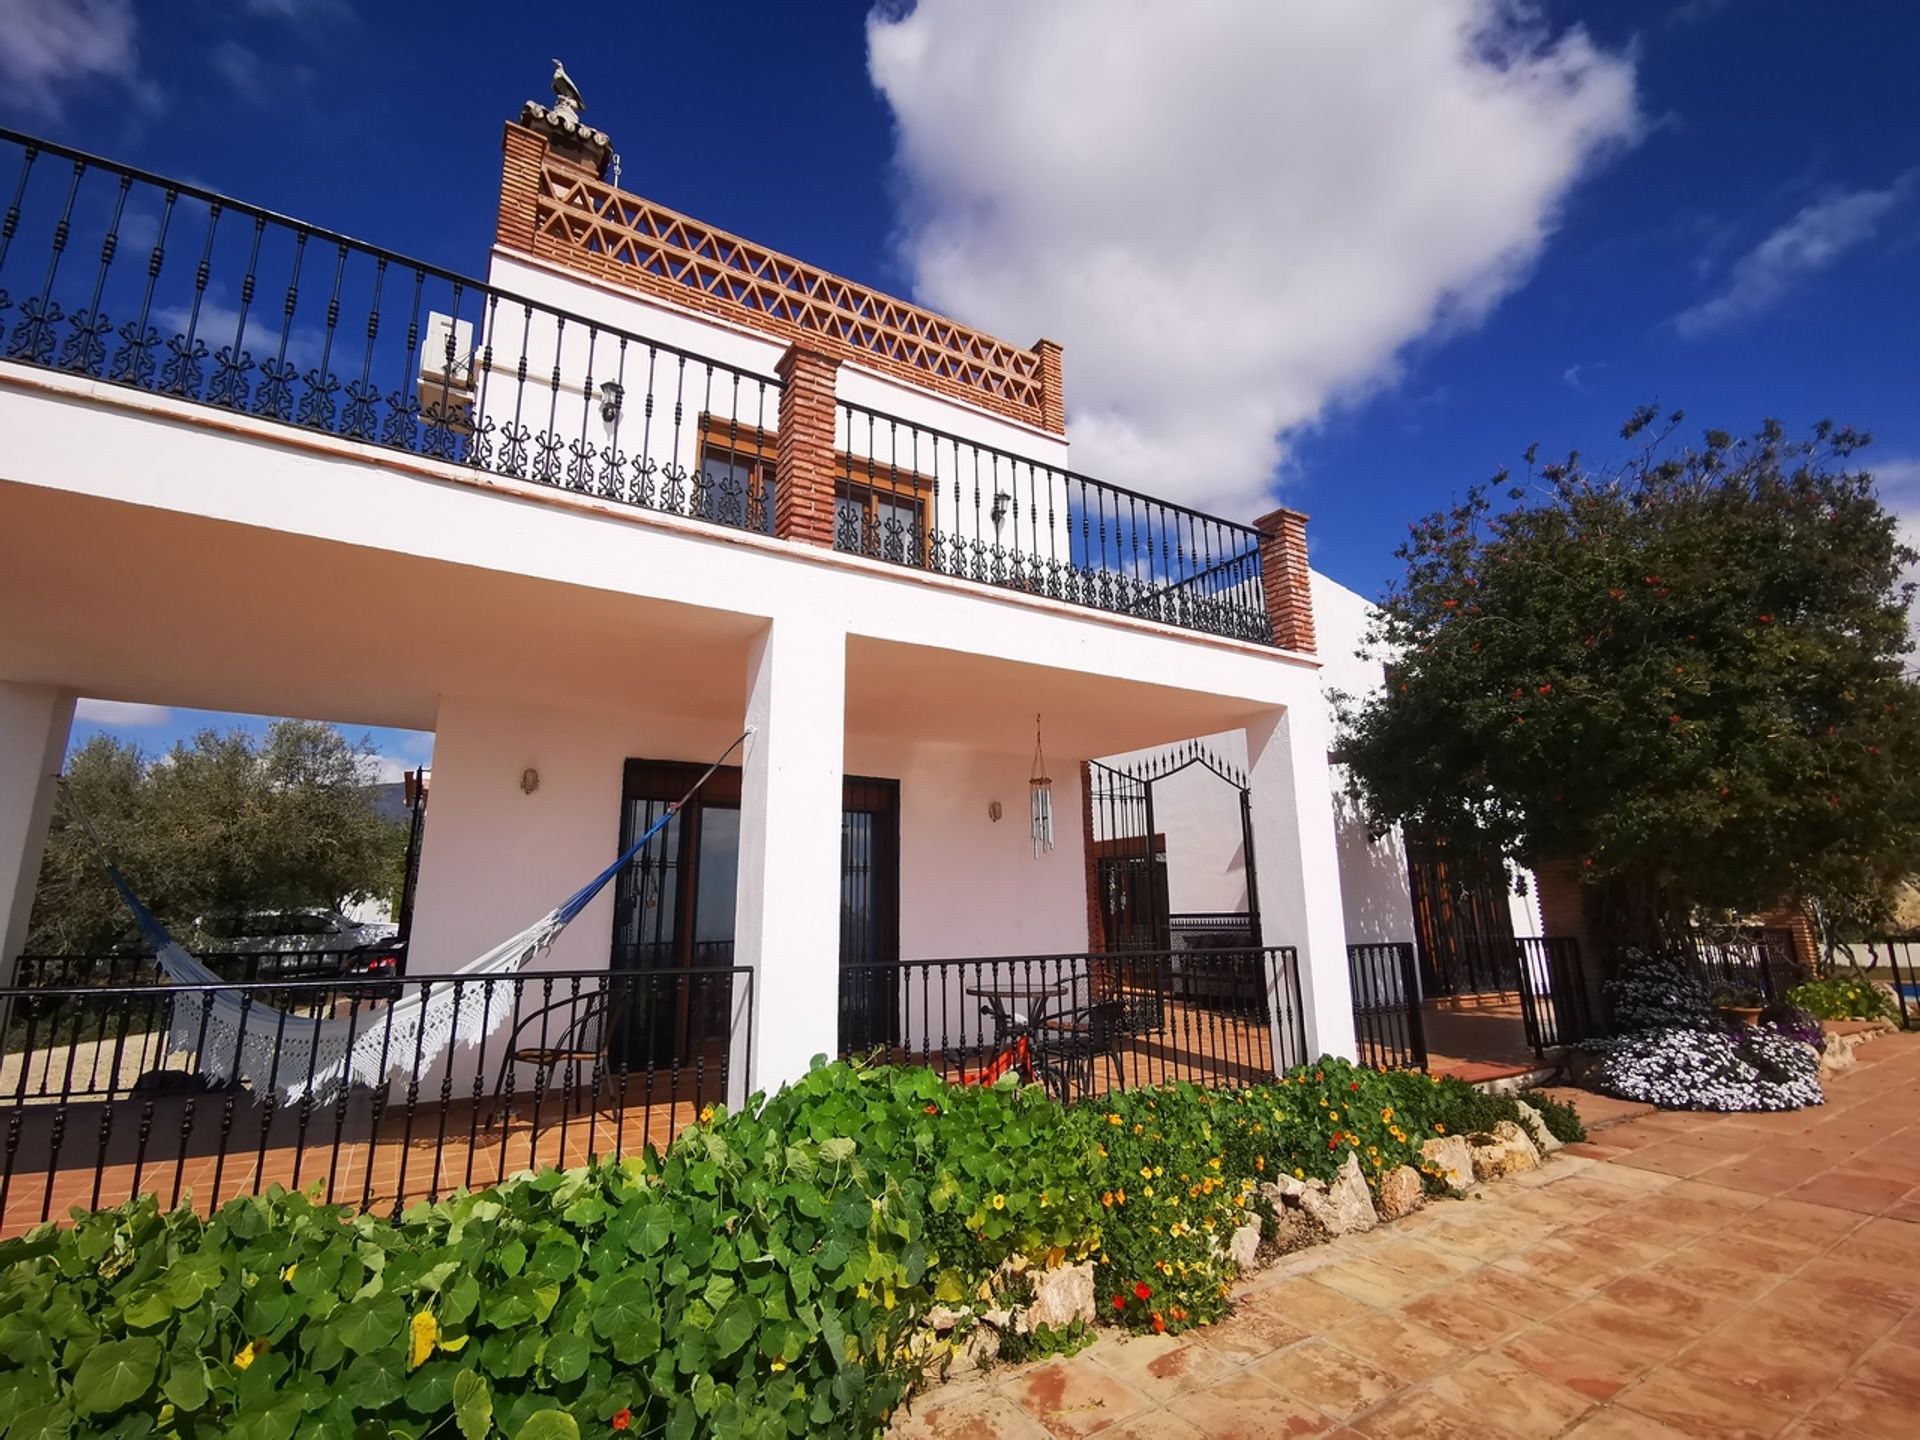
(674, 908)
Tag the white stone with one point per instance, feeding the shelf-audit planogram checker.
(1400, 1192)
(1244, 1248)
(1060, 1296)
(1347, 1205)
(1507, 1153)
(1454, 1158)
(1536, 1126)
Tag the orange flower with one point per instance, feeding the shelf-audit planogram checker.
(1159, 1325)
(622, 1419)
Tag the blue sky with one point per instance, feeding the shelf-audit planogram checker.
(1331, 252)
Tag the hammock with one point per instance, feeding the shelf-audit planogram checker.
(299, 1057)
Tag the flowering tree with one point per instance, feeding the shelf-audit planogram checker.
(1685, 676)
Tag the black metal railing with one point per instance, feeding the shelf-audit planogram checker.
(1211, 929)
(129, 968)
(1554, 1004)
(1899, 956)
(130, 278)
(918, 496)
(117, 1091)
(1470, 963)
(1082, 1024)
(1761, 960)
(1388, 1028)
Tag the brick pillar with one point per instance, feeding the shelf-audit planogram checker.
(1796, 922)
(1053, 395)
(1563, 902)
(519, 187)
(1285, 578)
(803, 467)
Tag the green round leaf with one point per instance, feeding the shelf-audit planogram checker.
(115, 1374)
(548, 1425)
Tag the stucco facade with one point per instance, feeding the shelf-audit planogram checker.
(553, 628)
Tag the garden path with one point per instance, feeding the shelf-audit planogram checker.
(1680, 1275)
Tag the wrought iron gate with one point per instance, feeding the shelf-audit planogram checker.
(1130, 852)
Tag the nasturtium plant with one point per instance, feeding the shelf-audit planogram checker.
(772, 1274)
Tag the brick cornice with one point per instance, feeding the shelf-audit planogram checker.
(571, 218)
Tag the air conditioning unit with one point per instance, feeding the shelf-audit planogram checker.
(445, 384)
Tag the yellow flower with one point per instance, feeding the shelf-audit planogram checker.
(288, 1273)
(1043, 1199)
(1333, 1115)
(999, 1202)
(706, 1113)
(426, 1331)
(1387, 1114)
(1113, 1119)
(1147, 1190)
(1146, 1172)
(250, 1352)
(777, 1366)
(1299, 1174)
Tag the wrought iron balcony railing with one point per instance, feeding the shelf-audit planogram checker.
(134, 279)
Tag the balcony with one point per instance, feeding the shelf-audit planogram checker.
(130, 279)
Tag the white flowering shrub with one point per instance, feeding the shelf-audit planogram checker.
(1673, 1051)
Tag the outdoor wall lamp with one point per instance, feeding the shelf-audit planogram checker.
(611, 394)
(998, 514)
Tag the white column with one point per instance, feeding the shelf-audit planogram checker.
(1298, 867)
(34, 723)
(787, 920)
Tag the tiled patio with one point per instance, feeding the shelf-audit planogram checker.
(1687, 1275)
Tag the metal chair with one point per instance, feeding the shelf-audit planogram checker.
(1066, 1046)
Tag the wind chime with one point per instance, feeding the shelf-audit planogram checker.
(1041, 784)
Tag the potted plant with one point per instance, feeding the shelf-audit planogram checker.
(1739, 1003)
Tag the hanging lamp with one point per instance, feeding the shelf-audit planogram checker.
(1041, 784)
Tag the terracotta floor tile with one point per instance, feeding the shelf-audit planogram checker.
(1894, 1366)
(1242, 1407)
(1587, 1364)
(1703, 1406)
(1328, 1378)
(1308, 1305)
(1610, 1422)
(1672, 1157)
(1418, 1258)
(1463, 1320)
(1530, 1298)
(1071, 1399)
(1729, 1282)
(1792, 1376)
(1666, 1302)
(1861, 1408)
(1563, 1265)
(1876, 1282)
(1372, 1283)
(1154, 1425)
(1161, 1367)
(1248, 1334)
(1841, 1318)
(971, 1415)
(1422, 1415)
(1509, 1395)
(1408, 1351)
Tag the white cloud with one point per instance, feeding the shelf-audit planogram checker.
(1811, 241)
(122, 713)
(48, 47)
(1231, 214)
(381, 770)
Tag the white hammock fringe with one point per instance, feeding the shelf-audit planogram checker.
(298, 1058)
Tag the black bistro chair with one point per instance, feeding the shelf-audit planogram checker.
(1066, 1047)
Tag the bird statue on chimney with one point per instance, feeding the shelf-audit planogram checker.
(567, 99)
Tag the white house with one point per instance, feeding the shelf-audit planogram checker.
(588, 518)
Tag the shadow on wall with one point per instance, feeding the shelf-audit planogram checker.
(1374, 889)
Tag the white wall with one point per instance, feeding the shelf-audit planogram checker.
(34, 723)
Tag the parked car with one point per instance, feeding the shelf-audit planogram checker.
(300, 944)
